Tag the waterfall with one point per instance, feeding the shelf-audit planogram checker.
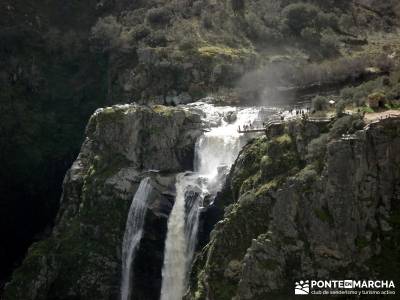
(180, 243)
(215, 152)
(133, 234)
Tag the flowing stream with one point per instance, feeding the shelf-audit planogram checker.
(215, 152)
(133, 234)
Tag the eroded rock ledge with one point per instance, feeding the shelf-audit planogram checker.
(310, 203)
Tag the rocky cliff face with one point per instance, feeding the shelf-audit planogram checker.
(305, 201)
(306, 204)
(60, 60)
(82, 257)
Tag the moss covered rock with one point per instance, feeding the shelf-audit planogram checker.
(294, 221)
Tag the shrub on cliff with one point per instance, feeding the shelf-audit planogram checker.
(206, 21)
(320, 103)
(359, 98)
(106, 33)
(316, 28)
(394, 92)
(237, 5)
(341, 126)
(158, 15)
(346, 125)
(316, 150)
(340, 108)
(329, 43)
(197, 7)
(299, 16)
(357, 95)
(140, 31)
(156, 39)
(307, 175)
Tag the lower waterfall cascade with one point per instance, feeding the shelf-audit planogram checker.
(133, 234)
(215, 152)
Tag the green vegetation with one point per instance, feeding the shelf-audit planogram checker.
(317, 150)
(307, 176)
(265, 161)
(361, 242)
(346, 125)
(367, 109)
(197, 37)
(340, 108)
(61, 60)
(265, 186)
(320, 103)
(245, 222)
(104, 166)
(163, 110)
(254, 152)
(384, 87)
(324, 215)
(110, 115)
(314, 26)
(158, 15)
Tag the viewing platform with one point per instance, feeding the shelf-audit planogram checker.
(267, 126)
(279, 122)
(252, 130)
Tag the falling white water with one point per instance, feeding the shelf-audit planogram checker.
(215, 153)
(133, 234)
(179, 246)
(218, 149)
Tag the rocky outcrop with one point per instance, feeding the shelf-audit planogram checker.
(146, 277)
(82, 257)
(331, 212)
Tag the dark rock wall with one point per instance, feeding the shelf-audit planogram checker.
(82, 257)
(340, 221)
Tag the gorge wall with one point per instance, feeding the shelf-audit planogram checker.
(61, 60)
(307, 203)
(303, 202)
(82, 257)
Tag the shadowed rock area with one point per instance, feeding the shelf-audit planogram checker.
(82, 257)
